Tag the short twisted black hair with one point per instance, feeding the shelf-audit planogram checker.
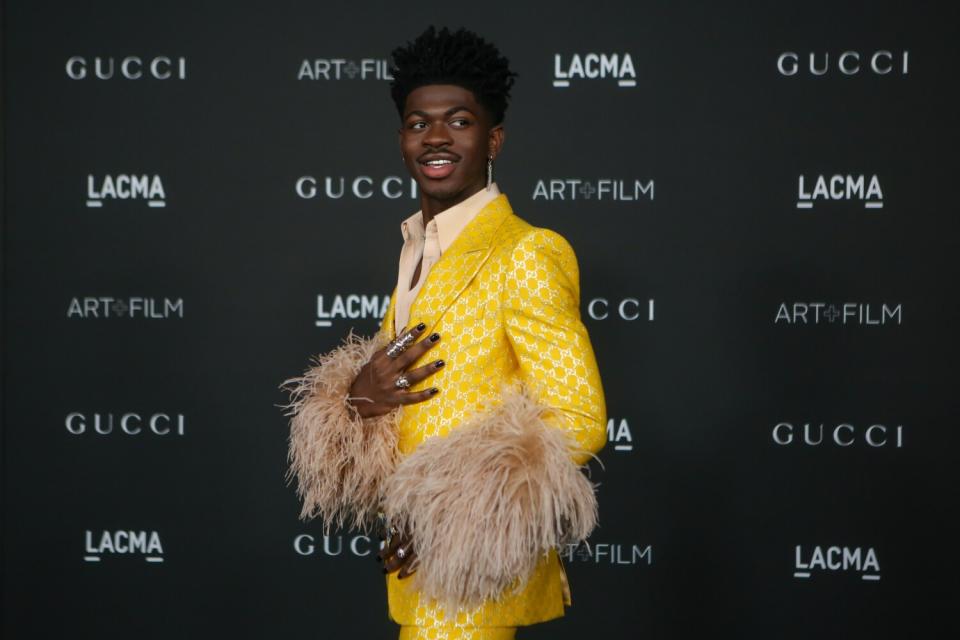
(462, 58)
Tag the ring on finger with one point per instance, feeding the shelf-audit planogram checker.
(402, 381)
(400, 345)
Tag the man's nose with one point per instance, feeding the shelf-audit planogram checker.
(437, 136)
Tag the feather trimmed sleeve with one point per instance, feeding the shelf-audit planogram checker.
(339, 460)
(487, 501)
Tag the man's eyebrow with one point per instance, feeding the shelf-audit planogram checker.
(448, 112)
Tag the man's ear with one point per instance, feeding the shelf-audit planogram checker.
(495, 140)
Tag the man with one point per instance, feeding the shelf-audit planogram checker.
(464, 434)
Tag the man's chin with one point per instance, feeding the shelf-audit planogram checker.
(439, 191)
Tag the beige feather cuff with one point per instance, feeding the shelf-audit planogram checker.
(487, 501)
(339, 459)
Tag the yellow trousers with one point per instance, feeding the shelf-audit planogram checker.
(456, 632)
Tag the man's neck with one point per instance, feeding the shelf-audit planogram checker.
(431, 207)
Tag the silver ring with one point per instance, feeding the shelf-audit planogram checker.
(402, 382)
(401, 553)
(399, 345)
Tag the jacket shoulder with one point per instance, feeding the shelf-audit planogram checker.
(518, 235)
(528, 249)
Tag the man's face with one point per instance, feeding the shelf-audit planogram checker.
(445, 124)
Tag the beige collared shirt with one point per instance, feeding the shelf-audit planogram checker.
(429, 244)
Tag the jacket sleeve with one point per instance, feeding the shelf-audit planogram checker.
(340, 460)
(541, 313)
(487, 501)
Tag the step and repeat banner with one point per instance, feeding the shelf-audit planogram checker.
(200, 196)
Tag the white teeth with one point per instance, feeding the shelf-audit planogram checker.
(437, 163)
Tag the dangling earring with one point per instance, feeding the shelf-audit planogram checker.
(489, 171)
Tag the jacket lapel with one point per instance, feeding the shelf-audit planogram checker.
(386, 324)
(457, 266)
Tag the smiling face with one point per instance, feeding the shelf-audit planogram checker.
(445, 137)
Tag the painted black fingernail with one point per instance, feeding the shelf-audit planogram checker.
(434, 337)
(440, 363)
(434, 390)
(421, 326)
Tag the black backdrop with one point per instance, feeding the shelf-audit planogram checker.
(731, 301)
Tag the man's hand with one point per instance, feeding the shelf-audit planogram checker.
(374, 392)
(399, 544)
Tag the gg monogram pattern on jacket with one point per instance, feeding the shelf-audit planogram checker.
(505, 300)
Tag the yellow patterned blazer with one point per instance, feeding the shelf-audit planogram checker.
(505, 299)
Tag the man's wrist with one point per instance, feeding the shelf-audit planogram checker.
(353, 408)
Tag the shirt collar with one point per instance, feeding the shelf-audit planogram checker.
(450, 222)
